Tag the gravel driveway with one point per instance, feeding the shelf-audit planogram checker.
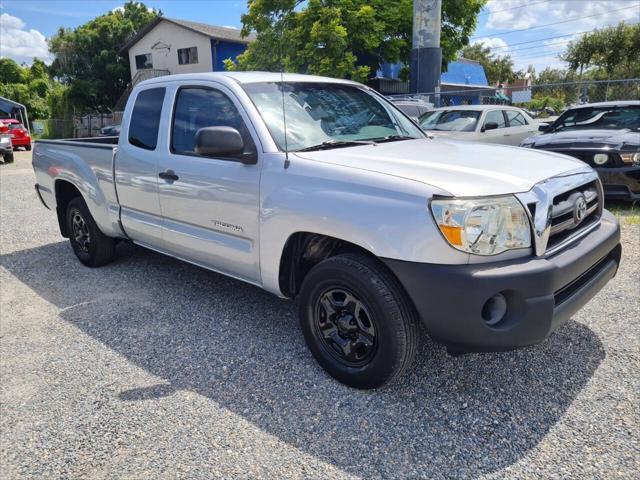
(152, 368)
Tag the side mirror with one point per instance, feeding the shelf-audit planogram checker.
(543, 127)
(218, 142)
(490, 126)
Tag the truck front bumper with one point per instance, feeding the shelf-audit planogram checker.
(539, 293)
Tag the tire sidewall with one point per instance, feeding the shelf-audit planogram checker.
(390, 334)
(78, 205)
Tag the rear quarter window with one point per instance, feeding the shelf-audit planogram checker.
(145, 118)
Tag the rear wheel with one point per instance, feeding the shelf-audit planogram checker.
(358, 321)
(28, 147)
(91, 246)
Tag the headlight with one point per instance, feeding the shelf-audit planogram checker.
(483, 226)
(600, 158)
(633, 158)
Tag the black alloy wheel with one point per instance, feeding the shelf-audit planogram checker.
(346, 326)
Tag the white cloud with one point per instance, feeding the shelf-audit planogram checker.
(493, 43)
(20, 44)
(534, 13)
(504, 16)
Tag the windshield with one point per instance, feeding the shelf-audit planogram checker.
(450, 120)
(325, 113)
(607, 118)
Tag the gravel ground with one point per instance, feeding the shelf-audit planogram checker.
(152, 368)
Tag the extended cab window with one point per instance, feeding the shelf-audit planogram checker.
(197, 108)
(495, 116)
(145, 119)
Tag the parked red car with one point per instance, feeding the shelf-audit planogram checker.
(19, 134)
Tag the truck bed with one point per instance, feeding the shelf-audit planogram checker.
(87, 164)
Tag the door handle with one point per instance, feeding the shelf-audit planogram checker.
(168, 175)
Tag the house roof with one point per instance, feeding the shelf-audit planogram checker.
(211, 31)
(464, 72)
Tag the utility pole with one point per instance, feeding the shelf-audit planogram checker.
(426, 54)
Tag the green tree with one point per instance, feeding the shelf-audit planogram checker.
(498, 69)
(87, 58)
(612, 52)
(343, 38)
(10, 71)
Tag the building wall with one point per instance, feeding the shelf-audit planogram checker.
(222, 49)
(167, 59)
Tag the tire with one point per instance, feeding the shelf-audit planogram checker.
(91, 246)
(8, 158)
(27, 147)
(384, 342)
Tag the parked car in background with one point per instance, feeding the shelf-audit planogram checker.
(110, 131)
(606, 136)
(20, 136)
(346, 205)
(413, 107)
(480, 123)
(6, 149)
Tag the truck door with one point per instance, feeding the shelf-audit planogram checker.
(210, 205)
(136, 169)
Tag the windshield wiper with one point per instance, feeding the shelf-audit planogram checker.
(391, 138)
(335, 144)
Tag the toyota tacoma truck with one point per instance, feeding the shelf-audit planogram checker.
(322, 190)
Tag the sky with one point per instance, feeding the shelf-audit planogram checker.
(531, 31)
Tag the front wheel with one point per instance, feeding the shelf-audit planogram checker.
(8, 158)
(92, 247)
(358, 321)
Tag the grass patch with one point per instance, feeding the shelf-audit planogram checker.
(627, 212)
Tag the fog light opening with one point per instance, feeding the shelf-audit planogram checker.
(494, 309)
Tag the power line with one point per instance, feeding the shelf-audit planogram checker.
(509, 32)
(538, 55)
(542, 39)
(513, 8)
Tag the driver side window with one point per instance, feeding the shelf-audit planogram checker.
(199, 107)
(495, 116)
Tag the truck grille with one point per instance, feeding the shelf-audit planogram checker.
(572, 212)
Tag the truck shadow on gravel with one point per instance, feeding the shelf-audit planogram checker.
(242, 348)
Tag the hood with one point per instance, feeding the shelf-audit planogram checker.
(592, 138)
(460, 168)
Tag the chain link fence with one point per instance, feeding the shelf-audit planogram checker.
(77, 127)
(542, 100)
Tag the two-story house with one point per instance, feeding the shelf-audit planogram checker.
(169, 46)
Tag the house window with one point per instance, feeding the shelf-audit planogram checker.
(187, 56)
(144, 61)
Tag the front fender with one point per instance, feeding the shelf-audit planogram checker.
(386, 215)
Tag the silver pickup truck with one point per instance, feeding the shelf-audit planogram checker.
(321, 190)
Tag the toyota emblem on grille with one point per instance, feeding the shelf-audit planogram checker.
(579, 210)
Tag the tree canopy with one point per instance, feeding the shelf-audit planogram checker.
(611, 52)
(87, 58)
(499, 69)
(343, 38)
(28, 85)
